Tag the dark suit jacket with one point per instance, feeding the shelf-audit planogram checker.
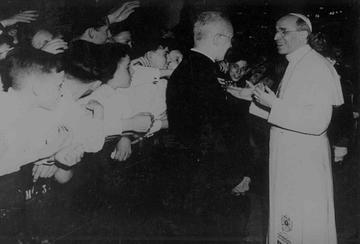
(196, 105)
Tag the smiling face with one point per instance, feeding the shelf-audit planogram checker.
(174, 58)
(288, 38)
(157, 58)
(237, 70)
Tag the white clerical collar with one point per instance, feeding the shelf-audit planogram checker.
(198, 51)
(298, 53)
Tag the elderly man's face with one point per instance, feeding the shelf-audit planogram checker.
(225, 34)
(287, 37)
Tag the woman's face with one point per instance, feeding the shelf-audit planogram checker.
(48, 88)
(123, 37)
(237, 70)
(40, 39)
(174, 58)
(121, 77)
(157, 58)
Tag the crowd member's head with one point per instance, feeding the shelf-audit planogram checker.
(82, 69)
(213, 33)
(40, 38)
(36, 75)
(114, 68)
(238, 63)
(292, 32)
(121, 34)
(48, 42)
(174, 58)
(91, 27)
(238, 69)
(157, 57)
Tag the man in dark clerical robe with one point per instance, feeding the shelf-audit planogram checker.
(199, 118)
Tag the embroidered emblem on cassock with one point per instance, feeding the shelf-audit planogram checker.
(286, 223)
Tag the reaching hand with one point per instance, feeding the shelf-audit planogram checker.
(142, 61)
(241, 93)
(123, 12)
(55, 46)
(122, 150)
(242, 187)
(42, 169)
(22, 17)
(224, 66)
(264, 96)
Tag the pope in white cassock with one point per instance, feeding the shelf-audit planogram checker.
(300, 177)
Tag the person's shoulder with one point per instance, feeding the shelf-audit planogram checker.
(9, 108)
(182, 70)
(315, 59)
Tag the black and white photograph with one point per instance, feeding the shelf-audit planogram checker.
(179, 121)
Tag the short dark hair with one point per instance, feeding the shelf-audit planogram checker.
(88, 62)
(110, 55)
(80, 61)
(117, 28)
(86, 18)
(22, 61)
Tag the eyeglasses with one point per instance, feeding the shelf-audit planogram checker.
(283, 33)
(230, 37)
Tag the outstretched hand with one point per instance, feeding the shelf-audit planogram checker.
(22, 17)
(55, 46)
(264, 95)
(122, 150)
(123, 12)
(141, 61)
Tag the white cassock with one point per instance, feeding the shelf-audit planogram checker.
(300, 177)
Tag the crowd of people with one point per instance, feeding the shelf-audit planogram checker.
(64, 97)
